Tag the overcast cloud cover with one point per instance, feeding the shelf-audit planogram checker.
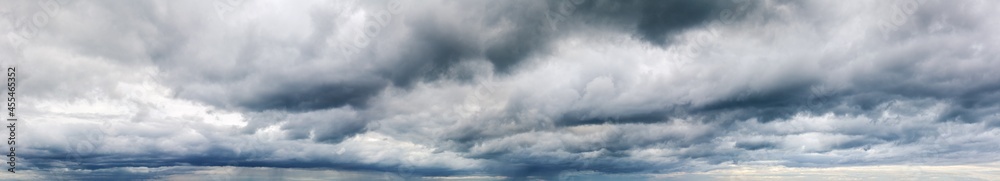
(513, 89)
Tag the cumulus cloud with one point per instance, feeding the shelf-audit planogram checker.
(503, 89)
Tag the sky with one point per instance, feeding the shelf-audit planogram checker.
(504, 90)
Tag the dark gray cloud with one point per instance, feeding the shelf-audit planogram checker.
(517, 89)
(242, 74)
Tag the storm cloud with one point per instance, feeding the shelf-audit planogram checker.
(554, 90)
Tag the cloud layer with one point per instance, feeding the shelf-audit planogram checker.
(503, 89)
